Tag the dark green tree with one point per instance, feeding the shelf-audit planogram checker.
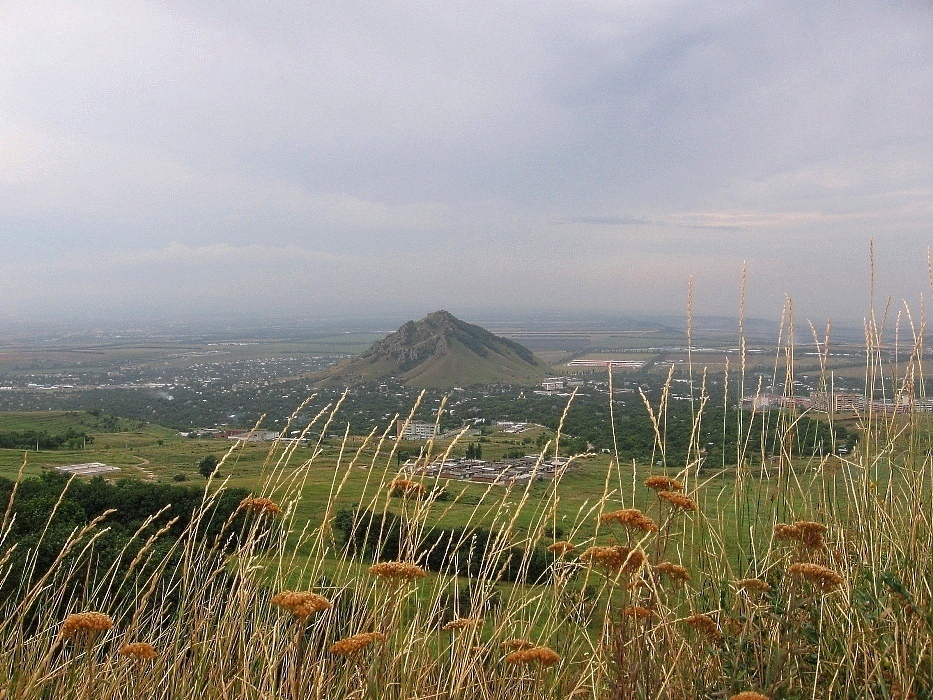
(208, 466)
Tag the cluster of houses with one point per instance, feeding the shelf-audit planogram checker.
(506, 472)
(836, 402)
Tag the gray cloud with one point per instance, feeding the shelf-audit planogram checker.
(556, 155)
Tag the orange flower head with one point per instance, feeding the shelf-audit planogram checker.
(351, 645)
(823, 578)
(301, 604)
(561, 548)
(630, 518)
(397, 571)
(678, 500)
(260, 505)
(543, 656)
(706, 626)
(675, 572)
(139, 650)
(663, 483)
(85, 623)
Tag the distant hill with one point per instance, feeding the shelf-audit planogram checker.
(441, 351)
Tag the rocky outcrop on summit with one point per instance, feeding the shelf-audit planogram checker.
(441, 351)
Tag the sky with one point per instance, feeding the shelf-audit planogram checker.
(303, 159)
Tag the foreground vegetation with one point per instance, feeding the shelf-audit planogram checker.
(790, 576)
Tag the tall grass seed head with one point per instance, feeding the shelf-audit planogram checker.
(85, 623)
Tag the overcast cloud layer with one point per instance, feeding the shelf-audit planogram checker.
(350, 157)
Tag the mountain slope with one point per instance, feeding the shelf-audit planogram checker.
(441, 351)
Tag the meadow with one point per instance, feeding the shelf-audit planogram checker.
(789, 576)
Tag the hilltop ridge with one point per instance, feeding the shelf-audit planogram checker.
(441, 351)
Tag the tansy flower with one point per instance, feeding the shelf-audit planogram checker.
(631, 518)
(397, 570)
(516, 644)
(615, 558)
(260, 505)
(561, 548)
(678, 499)
(82, 623)
(637, 612)
(673, 571)
(406, 488)
(350, 645)
(545, 656)
(139, 651)
(753, 585)
(301, 604)
(706, 626)
(663, 483)
(823, 578)
(460, 623)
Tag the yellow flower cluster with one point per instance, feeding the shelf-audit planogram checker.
(397, 570)
(663, 483)
(631, 518)
(805, 532)
(823, 578)
(749, 695)
(301, 604)
(545, 656)
(561, 548)
(615, 558)
(90, 623)
(460, 623)
(753, 585)
(678, 500)
(516, 644)
(706, 626)
(673, 571)
(406, 488)
(351, 645)
(637, 612)
(260, 505)
(139, 650)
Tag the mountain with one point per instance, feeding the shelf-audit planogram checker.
(441, 351)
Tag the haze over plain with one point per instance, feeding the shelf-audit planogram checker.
(196, 158)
